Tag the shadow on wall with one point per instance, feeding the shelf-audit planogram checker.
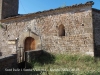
(32, 57)
(42, 58)
(97, 51)
(0, 53)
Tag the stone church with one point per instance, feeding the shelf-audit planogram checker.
(69, 29)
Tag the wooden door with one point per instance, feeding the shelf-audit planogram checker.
(29, 44)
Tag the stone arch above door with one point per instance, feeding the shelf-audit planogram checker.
(24, 35)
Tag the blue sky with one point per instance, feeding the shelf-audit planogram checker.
(31, 6)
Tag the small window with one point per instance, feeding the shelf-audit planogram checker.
(61, 30)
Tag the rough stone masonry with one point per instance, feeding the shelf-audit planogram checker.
(70, 29)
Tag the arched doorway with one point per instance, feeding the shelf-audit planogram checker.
(29, 44)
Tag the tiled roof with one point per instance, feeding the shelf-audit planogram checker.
(67, 7)
(60, 8)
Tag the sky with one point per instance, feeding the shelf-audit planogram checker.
(32, 6)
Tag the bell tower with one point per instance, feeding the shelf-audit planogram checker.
(8, 8)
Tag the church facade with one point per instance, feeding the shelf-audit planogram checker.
(70, 29)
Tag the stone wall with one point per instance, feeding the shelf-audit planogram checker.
(96, 22)
(78, 31)
(8, 62)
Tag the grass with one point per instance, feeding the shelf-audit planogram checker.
(68, 64)
(61, 64)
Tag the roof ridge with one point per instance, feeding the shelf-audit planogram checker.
(75, 5)
(67, 8)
